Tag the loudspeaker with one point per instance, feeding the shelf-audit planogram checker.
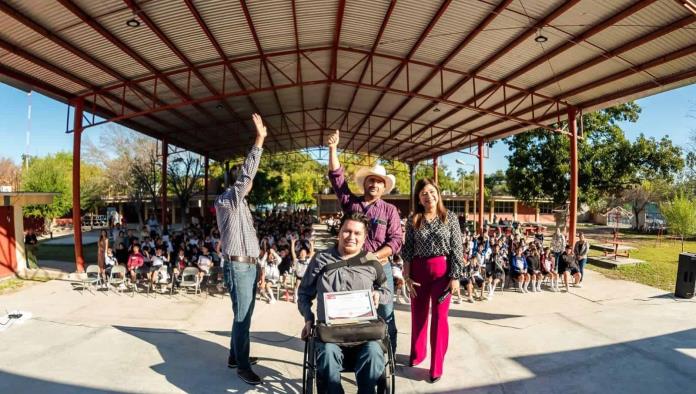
(686, 276)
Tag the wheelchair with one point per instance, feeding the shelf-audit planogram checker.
(386, 384)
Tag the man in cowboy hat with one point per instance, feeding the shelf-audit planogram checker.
(384, 237)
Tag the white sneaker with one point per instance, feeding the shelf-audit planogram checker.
(457, 300)
(578, 285)
(273, 301)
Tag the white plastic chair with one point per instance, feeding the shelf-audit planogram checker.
(189, 279)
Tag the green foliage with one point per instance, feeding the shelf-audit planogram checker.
(49, 174)
(681, 216)
(609, 163)
(53, 174)
(266, 190)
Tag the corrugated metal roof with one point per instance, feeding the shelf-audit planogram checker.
(316, 24)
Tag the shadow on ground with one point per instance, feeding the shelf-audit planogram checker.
(661, 364)
(196, 365)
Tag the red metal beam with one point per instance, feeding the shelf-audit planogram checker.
(368, 61)
(259, 48)
(166, 41)
(76, 214)
(39, 29)
(687, 51)
(602, 101)
(573, 209)
(163, 192)
(298, 70)
(206, 166)
(587, 34)
(69, 76)
(595, 61)
(87, 19)
(334, 57)
(481, 184)
(435, 71)
(404, 62)
(565, 6)
(223, 56)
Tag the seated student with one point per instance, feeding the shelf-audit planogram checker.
(204, 263)
(121, 253)
(534, 267)
(135, 263)
(518, 270)
(300, 263)
(496, 265)
(548, 268)
(471, 275)
(109, 263)
(269, 263)
(568, 263)
(159, 260)
(370, 362)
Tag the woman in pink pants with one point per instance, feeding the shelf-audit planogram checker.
(433, 260)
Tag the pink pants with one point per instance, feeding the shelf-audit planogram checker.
(432, 275)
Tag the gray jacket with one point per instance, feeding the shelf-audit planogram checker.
(314, 285)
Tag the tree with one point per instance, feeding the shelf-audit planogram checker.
(131, 164)
(185, 173)
(10, 173)
(266, 189)
(649, 190)
(49, 174)
(681, 216)
(608, 162)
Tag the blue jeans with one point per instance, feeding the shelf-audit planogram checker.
(558, 257)
(369, 366)
(386, 311)
(581, 264)
(242, 281)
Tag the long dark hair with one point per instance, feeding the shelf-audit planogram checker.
(420, 209)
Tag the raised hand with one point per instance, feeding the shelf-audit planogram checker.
(333, 140)
(260, 128)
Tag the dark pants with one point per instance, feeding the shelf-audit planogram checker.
(558, 258)
(242, 277)
(368, 366)
(386, 311)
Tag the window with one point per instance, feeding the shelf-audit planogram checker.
(546, 207)
(456, 206)
(504, 207)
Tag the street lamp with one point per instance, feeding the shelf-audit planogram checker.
(473, 170)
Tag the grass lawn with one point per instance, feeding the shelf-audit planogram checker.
(13, 284)
(660, 267)
(66, 253)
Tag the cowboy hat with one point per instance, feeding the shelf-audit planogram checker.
(379, 171)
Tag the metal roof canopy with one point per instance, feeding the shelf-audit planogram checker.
(406, 80)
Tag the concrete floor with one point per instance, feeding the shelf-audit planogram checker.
(610, 336)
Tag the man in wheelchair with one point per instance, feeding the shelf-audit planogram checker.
(344, 267)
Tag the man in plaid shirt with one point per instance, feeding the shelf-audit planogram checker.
(240, 250)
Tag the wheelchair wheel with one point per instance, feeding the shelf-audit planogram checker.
(308, 368)
(387, 384)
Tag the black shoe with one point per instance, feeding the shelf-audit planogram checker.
(249, 376)
(433, 380)
(232, 363)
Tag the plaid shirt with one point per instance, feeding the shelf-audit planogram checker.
(237, 233)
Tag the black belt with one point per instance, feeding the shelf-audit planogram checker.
(243, 259)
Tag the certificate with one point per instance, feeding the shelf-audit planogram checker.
(348, 306)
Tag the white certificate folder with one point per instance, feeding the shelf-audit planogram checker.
(343, 307)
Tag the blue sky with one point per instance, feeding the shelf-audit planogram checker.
(666, 113)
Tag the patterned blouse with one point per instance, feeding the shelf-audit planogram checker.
(436, 238)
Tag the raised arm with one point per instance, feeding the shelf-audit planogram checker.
(334, 164)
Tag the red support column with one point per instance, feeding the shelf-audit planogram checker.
(165, 155)
(573, 209)
(76, 216)
(205, 190)
(435, 170)
(480, 185)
